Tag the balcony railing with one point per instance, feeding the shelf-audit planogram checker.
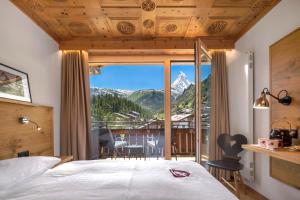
(157, 124)
(139, 133)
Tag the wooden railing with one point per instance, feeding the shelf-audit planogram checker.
(141, 124)
(183, 133)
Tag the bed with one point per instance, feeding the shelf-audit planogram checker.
(110, 180)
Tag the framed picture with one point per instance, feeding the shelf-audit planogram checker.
(14, 84)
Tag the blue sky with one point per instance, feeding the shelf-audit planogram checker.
(138, 77)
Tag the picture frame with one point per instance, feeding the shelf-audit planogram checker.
(14, 84)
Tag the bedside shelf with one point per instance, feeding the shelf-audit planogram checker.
(283, 154)
(64, 159)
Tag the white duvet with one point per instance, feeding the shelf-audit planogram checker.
(120, 180)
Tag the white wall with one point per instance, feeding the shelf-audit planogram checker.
(283, 19)
(24, 46)
(240, 81)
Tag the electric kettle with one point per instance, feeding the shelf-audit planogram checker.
(283, 134)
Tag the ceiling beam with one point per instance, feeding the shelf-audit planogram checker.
(162, 43)
(113, 59)
(125, 52)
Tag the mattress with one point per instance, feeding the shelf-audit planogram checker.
(120, 180)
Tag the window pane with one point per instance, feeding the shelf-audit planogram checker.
(205, 110)
(128, 111)
(183, 134)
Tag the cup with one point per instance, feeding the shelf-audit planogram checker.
(274, 144)
(262, 142)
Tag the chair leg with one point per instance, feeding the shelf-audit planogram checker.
(241, 182)
(238, 182)
(115, 153)
(222, 174)
(210, 170)
(175, 152)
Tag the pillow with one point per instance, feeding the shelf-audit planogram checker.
(17, 170)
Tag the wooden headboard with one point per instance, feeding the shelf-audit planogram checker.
(285, 75)
(16, 137)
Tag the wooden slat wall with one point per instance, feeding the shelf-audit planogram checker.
(285, 74)
(16, 137)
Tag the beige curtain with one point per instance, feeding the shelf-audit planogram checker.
(219, 103)
(75, 105)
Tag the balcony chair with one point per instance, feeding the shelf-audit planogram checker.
(231, 146)
(158, 143)
(108, 141)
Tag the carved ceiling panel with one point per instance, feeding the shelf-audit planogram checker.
(80, 28)
(125, 27)
(114, 19)
(169, 27)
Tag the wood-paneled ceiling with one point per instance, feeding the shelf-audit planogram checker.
(98, 23)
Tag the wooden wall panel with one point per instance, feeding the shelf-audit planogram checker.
(285, 74)
(16, 137)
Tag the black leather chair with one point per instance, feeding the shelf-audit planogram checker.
(106, 141)
(231, 147)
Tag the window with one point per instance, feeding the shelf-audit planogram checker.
(128, 115)
(128, 110)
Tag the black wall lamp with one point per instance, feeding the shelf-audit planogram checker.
(263, 103)
(26, 120)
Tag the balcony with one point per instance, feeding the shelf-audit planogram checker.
(145, 139)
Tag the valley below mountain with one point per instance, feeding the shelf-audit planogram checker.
(116, 104)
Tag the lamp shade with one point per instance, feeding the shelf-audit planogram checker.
(262, 102)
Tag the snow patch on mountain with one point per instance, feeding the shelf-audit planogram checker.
(105, 91)
(177, 88)
(180, 84)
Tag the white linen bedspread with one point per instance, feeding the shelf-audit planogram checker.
(120, 180)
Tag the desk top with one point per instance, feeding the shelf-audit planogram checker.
(283, 153)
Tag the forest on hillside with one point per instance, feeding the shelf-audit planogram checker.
(148, 103)
(107, 107)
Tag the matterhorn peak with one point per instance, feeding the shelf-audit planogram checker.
(180, 84)
(181, 75)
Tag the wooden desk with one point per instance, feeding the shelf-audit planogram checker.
(284, 164)
(283, 154)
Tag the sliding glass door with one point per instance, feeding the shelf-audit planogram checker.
(143, 111)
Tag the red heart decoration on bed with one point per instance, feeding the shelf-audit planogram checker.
(179, 173)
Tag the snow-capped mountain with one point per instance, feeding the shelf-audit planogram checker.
(104, 91)
(177, 88)
(180, 84)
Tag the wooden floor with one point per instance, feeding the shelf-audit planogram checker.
(249, 194)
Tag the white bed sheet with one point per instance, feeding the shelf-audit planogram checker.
(120, 180)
